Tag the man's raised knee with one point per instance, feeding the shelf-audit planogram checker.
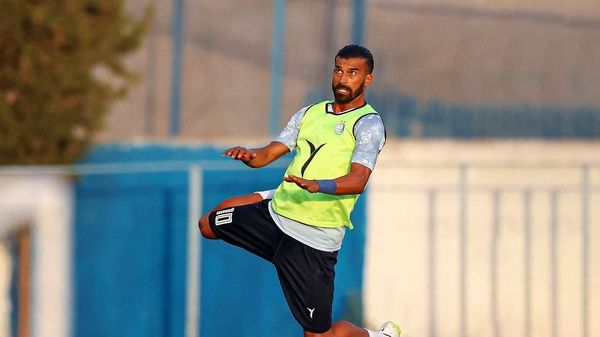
(205, 229)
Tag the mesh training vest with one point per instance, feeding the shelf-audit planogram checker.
(323, 151)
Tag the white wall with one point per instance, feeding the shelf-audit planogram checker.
(45, 203)
(5, 275)
(399, 273)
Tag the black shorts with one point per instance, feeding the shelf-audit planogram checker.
(306, 274)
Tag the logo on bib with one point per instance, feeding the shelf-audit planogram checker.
(339, 128)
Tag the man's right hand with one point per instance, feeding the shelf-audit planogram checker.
(258, 157)
(240, 153)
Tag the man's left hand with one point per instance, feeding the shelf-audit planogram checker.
(310, 185)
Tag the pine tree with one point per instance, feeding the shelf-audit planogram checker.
(61, 66)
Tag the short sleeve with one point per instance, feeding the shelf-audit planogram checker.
(369, 133)
(289, 135)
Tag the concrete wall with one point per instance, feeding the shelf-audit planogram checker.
(492, 52)
(45, 204)
(495, 53)
(501, 274)
(5, 277)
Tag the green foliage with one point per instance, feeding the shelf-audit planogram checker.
(61, 66)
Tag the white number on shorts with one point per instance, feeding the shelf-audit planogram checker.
(224, 216)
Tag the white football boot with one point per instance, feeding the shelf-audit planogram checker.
(390, 329)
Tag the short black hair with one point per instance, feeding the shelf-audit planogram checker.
(354, 50)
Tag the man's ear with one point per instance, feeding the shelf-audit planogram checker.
(368, 80)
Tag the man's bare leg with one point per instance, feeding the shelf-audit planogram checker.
(340, 329)
(347, 329)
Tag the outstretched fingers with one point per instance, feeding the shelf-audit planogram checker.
(297, 180)
(310, 185)
(239, 153)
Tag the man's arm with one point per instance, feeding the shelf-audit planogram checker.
(352, 183)
(257, 157)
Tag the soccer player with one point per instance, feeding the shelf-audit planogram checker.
(299, 227)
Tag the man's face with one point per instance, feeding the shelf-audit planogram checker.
(350, 77)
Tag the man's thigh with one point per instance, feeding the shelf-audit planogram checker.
(307, 278)
(249, 227)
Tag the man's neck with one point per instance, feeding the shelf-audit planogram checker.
(341, 107)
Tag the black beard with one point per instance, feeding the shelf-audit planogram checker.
(343, 99)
